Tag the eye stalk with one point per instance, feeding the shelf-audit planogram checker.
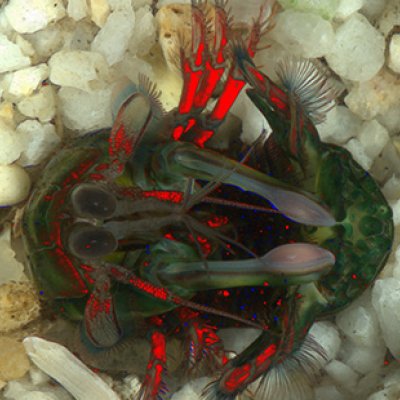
(92, 201)
(86, 241)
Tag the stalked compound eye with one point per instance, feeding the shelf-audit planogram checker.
(90, 242)
(92, 201)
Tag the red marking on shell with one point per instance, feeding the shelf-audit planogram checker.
(147, 287)
(77, 174)
(165, 195)
(190, 124)
(186, 314)
(192, 79)
(208, 85)
(177, 132)
(96, 177)
(237, 377)
(64, 261)
(217, 221)
(265, 355)
(204, 136)
(231, 91)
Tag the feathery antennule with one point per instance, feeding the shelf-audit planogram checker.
(264, 23)
(311, 84)
(147, 86)
(229, 19)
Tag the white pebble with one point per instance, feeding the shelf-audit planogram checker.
(253, 121)
(390, 119)
(392, 378)
(33, 15)
(11, 269)
(396, 263)
(85, 111)
(386, 301)
(14, 184)
(396, 211)
(113, 39)
(372, 9)
(342, 374)
(40, 140)
(387, 163)
(82, 36)
(59, 363)
(369, 382)
(363, 359)
(326, 334)
(24, 390)
(347, 7)
(358, 52)
(324, 8)
(390, 16)
(132, 67)
(37, 376)
(192, 390)
(127, 388)
(394, 53)
(77, 9)
(47, 41)
(360, 324)
(25, 81)
(328, 392)
(385, 394)
(373, 137)
(303, 34)
(376, 96)
(357, 151)
(12, 57)
(40, 105)
(144, 33)
(25, 46)
(100, 10)
(38, 395)
(339, 126)
(11, 146)
(391, 189)
(141, 3)
(77, 68)
(5, 26)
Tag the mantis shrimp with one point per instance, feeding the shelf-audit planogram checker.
(151, 230)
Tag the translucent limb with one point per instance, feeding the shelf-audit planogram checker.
(290, 264)
(163, 294)
(297, 205)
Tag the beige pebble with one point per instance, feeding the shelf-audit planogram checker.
(14, 362)
(10, 192)
(19, 305)
(100, 10)
(376, 96)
